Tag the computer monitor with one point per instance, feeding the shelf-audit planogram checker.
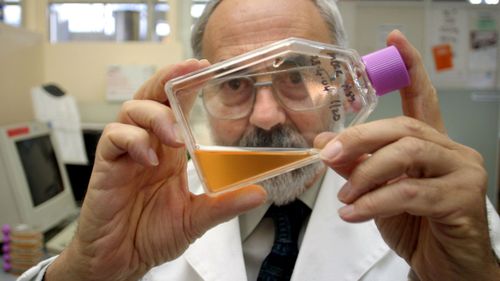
(78, 174)
(34, 187)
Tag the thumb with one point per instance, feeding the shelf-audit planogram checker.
(211, 210)
(419, 100)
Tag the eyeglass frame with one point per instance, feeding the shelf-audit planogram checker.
(257, 84)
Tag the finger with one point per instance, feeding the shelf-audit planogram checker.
(354, 142)
(344, 170)
(210, 210)
(152, 116)
(322, 139)
(121, 139)
(419, 197)
(419, 100)
(153, 89)
(427, 197)
(408, 156)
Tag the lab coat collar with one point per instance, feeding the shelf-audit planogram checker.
(333, 248)
(218, 254)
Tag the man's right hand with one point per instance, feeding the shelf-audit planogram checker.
(138, 211)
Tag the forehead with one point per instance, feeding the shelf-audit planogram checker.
(238, 26)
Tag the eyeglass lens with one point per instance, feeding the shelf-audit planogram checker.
(297, 89)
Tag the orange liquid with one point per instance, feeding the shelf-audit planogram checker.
(223, 168)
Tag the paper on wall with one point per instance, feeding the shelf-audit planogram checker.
(464, 46)
(448, 39)
(483, 50)
(124, 80)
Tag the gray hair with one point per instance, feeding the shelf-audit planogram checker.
(328, 10)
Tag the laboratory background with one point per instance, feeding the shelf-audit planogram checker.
(67, 66)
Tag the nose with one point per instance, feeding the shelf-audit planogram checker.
(267, 112)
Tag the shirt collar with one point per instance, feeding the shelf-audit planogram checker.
(249, 220)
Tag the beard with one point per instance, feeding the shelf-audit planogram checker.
(287, 187)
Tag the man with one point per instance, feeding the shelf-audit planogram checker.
(424, 192)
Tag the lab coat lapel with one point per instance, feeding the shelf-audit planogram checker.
(332, 248)
(218, 254)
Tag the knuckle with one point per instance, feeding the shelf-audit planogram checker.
(409, 147)
(475, 170)
(431, 195)
(474, 154)
(128, 105)
(158, 118)
(363, 175)
(479, 179)
(368, 205)
(130, 134)
(434, 94)
(408, 191)
(354, 134)
(126, 109)
(413, 126)
(483, 175)
(110, 128)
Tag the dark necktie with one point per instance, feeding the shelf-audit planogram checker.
(288, 219)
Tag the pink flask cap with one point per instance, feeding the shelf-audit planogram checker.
(7, 266)
(6, 229)
(386, 70)
(6, 258)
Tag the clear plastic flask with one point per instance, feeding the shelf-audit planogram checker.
(314, 87)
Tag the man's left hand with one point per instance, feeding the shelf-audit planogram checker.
(425, 191)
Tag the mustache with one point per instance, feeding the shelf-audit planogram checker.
(284, 136)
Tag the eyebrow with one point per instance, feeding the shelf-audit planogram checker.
(296, 59)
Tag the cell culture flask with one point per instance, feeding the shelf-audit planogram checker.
(227, 111)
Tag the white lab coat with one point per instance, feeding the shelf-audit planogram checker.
(331, 248)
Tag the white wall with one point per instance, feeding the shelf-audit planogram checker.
(21, 67)
(80, 67)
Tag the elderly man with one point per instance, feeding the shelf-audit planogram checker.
(418, 197)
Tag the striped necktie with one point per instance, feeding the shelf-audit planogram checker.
(287, 219)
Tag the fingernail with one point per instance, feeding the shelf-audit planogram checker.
(344, 192)
(256, 198)
(251, 198)
(153, 158)
(346, 211)
(191, 60)
(331, 151)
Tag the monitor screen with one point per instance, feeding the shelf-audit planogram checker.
(41, 168)
(34, 186)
